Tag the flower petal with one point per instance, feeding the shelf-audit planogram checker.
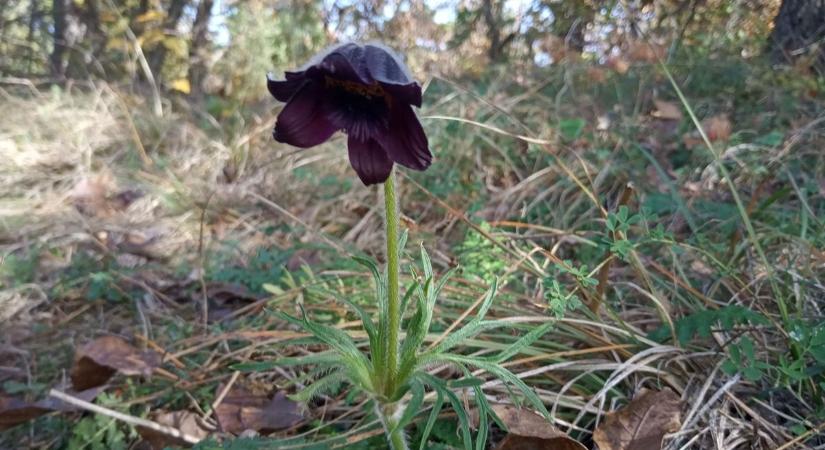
(342, 63)
(283, 90)
(385, 66)
(304, 121)
(369, 160)
(409, 94)
(405, 141)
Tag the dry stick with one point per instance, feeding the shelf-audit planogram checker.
(802, 437)
(224, 392)
(205, 305)
(165, 355)
(131, 420)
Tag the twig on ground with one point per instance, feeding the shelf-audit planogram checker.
(131, 420)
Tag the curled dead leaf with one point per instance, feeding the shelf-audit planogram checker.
(97, 195)
(528, 430)
(243, 410)
(90, 193)
(642, 51)
(597, 75)
(100, 359)
(14, 411)
(642, 424)
(226, 298)
(186, 422)
(619, 64)
(717, 128)
(666, 110)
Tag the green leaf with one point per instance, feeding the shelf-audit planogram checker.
(419, 326)
(339, 341)
(746, 344)
(428, 428)
(324, 357)
(407, 295)
(523, 342)
(467, 381)
(471, 329)
(752, 373)
(426, 263)
(416, 331)
(571, 129)
(323, 385)
(458, 408)
(366, 322)
(501, 373)
(402, 241)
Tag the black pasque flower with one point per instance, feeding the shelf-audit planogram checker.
(364, 90)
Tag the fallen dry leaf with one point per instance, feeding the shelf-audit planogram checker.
(642, 424)
(89, 194)
(97, 195)
(305, 256)
(14, 411)
(528, 430)
(619, 64)
(100, 359)
(717, 128)
(185, 421)
(243, 410)
(225, 298)
(642, 51)
(666, 110)
(597, 75)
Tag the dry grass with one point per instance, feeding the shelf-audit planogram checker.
(75, 181)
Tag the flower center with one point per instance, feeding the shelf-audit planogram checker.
(353, 87)
(361, 110)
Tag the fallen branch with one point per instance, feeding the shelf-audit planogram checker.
(131, 420)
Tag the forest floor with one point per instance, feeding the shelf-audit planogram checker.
(144, 257)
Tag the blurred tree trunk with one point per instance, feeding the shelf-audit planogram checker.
(158, 55)
(798, 29)
(89, 15)
(571, 23)
(493, 11)
(34, 17)
(60, 10)
(198, 49)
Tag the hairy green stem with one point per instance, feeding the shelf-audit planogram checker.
(390, 413)
(393, 290)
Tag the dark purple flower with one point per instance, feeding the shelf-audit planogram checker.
(364, 90)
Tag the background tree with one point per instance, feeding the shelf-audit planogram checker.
(60, 11)
(799, 30)
(199, 47)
